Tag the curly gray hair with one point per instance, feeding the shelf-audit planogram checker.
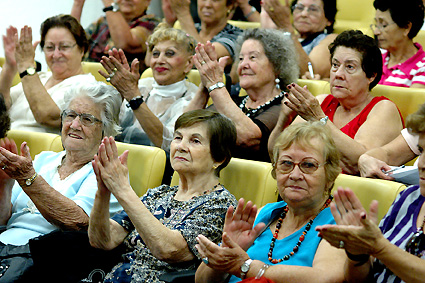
(108, 98)
(279, 49)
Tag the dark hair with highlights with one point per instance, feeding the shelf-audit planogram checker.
(221, 132)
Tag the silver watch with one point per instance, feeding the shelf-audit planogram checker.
(217, 85)
(245, 268)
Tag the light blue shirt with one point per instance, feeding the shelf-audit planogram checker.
(27, 222)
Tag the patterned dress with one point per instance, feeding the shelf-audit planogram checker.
(200, 215)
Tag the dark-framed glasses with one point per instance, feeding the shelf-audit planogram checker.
(307, 165)
(311, 10)
(416, 244)
(85, 118)
(62, 47)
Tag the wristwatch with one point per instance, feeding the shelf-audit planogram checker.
(245, 268)
(114, 8)
(31, 180)
(135, 103)
(31, 70)
(217, 85)
(324, 120)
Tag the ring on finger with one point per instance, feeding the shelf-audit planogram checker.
(4, 167)
(341, 244)
(205, 260)
(203, 62)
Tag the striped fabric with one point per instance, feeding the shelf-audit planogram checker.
(398, 226)
(412, 71)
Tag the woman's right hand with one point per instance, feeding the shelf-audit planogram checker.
(239, 224)
(9, 47)
(373, 168)
(9, 145)
(125, 79)
(279, 13)
(25, 49)
(18, 167)
(179, 6)
(210, 69)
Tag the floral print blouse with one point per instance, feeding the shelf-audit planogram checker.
(203, 214)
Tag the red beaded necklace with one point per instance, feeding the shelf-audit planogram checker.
(300, 240)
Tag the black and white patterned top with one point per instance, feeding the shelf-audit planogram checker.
(200, 215)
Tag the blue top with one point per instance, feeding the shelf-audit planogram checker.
(305, 255)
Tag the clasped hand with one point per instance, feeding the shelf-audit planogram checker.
(301, 101)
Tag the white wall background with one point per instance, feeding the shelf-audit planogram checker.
(33, 12)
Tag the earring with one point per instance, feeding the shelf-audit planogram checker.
(228, 13)
(277, 81)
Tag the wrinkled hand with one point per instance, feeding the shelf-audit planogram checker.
(279, 13)
(227, 259)
(125, 79)
(300, 100)
(239, 224)
(169, 15)
(372, 167)
(111, 168)
(9, 145)
(359, 232)
(209, 68)
(18, 167)
(9, 46)
(180, 6)
(25, 49)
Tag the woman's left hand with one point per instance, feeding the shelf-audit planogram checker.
(209, 68)
(18, 167)
(113, 168)
(25, 49)
(300, 100)
(227, 259)
(355, 231)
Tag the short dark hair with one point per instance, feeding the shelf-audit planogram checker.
(415, 122)
(4, 118)
(403, 13)
(68, 22)
(329, 6)
(221, 132)
(367, 47)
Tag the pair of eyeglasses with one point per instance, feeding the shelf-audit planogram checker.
(380, 26)
(416, 244)
(62, 47)
(312, 10)
(85, 118)
(307, 166)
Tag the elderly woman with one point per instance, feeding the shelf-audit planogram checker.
(36, 103)
(152, 105)
(267, 62)
(394, 251)
(358, 121)
(213, 26)
(57, 190)
(281, 243)
(311, 30)
(125, 25)
(160, 229)
(397, 23)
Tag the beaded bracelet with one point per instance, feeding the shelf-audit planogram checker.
(361, 258)
(262, 271)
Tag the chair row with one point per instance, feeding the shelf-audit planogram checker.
(146, 164)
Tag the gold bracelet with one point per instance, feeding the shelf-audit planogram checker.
(262, 271)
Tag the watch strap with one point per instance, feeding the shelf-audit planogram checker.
(135, 103)
(30, 181)
(216, 85)
(109, 8)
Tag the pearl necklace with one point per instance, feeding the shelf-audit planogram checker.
(249, 112)
(302, 237)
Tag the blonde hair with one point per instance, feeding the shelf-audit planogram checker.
(302, 134)
(164, 32)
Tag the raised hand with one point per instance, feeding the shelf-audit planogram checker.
(300, 100)
(25, 48)
(9, 47)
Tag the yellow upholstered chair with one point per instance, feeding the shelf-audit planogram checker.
(244, 24)
(407, 100)
(16, 79)
(367, 189)
(248, 179)
(37, 142)
(146, 165)
(420, 38)
(93, 68)
(358, 14)
(316, 87)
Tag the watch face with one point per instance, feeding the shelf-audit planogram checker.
(115, 7)
(31, 71)
(244, 268)
(28, 182)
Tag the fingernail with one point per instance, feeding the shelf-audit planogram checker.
(288, 86)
